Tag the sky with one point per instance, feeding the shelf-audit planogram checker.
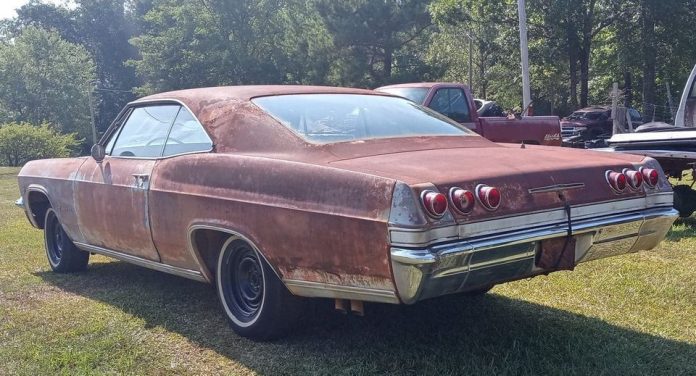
(7, 7)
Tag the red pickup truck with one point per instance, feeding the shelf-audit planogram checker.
(455, 101)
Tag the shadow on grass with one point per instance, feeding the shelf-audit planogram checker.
(683, 228)
(455, 335)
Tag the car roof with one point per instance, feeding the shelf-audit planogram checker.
(235, 124)
(424, 85)
(249, 92)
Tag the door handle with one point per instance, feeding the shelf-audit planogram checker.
(141, 179)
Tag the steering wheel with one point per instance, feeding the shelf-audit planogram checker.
(175, 140)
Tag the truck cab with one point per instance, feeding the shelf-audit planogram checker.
(454, 100)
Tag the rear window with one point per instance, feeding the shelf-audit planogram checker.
(416, 94)
(328, 118)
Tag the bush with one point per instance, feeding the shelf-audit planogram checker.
(23, 142)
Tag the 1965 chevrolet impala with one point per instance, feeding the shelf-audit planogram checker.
(272, 193)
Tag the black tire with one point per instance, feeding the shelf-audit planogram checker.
(256, 303)
(63, 255)
(684, 200)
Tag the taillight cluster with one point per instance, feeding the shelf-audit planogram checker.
(462, 200)
(619, 181)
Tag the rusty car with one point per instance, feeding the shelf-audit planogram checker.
(275, 194)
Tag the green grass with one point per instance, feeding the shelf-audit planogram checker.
(633, 314)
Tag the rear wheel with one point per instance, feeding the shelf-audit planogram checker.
(255, 301)
(63, 255)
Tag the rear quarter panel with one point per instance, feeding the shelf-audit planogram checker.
(311, 223)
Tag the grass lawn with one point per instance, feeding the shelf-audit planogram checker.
(633, 314)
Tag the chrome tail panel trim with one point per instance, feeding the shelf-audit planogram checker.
(325, 290)
(181, 272)
(409, 237)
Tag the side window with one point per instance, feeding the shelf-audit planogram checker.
(451, 103)
(187, 136)
(693, 90)
(145, 131)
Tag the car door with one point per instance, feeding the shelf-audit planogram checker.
(453, 103)
(112, 196)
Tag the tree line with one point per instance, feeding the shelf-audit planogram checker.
(55, 60)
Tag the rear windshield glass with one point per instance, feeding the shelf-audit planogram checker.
(416, 94)
(328, 118)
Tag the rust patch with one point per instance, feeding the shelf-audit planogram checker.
(557, 254)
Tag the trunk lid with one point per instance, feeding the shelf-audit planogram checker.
(512, 169)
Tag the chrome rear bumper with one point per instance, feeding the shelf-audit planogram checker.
(464, 265)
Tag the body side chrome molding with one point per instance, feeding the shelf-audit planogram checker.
(181, 272)
(327, 290)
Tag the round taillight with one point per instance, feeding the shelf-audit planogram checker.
(488, 196)
(651, 176)
(462, 200)
(435, 203)
(634, 178)
(616, 180)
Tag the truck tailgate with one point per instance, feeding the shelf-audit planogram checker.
(543, 130)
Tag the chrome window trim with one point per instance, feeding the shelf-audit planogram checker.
(154, 265)
(418, 237)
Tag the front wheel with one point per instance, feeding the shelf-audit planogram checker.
(256, 303)
(63, 255)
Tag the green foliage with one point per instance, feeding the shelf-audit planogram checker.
(43, 78)
(23, 142)
(577, 48)
(372, 38)
(186, 45)
(103, 27)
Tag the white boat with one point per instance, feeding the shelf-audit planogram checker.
(674, 146)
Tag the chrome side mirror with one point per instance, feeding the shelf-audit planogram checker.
(98, 152)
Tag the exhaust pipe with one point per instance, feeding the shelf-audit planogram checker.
(341, 305)
(357, 307)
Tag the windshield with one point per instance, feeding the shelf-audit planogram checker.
(416, 94)
(328, 118)
(586, 115)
